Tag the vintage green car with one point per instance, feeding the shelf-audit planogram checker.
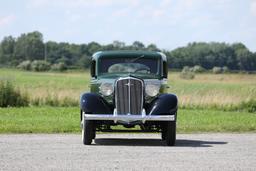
(128, 88)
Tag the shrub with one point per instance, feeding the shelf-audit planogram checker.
(198, 69)
(249, 106)
(186, 69)
(11, 97)
(186, 73)
(40, 65)
(25, 65)
(216, 70)
(225, 69)
(59, 67)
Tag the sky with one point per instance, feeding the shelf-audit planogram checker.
(167, 23)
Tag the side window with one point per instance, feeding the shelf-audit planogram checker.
(165, 69)
(93, 68)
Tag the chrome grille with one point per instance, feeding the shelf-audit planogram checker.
(129, 96)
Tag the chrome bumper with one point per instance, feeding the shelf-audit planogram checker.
(129, 118)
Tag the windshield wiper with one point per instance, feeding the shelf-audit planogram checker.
(133, 60)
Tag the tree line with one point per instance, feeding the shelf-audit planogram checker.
(31, 47)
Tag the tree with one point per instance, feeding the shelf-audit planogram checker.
(52, 51)
(93, 47)
(29, 47)
(152, 47)
(245, 59)
(35, 46)
(84, 62)
(6, 49)
(83, 49)
(21, 49)
(138, 45)
(118, 44)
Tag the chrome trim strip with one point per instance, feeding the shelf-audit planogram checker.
(129, 118)
(129, 96)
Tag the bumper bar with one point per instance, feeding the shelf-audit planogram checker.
(129, 118)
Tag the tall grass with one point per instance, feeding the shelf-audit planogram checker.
(250, 105)
(222, 91)
(212, 91)
(54, 101)
(10, 97)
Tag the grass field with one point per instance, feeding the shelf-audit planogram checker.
(203, 102)
(66, 120)
(206, 90)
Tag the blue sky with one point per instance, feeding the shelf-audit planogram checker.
(167, 23)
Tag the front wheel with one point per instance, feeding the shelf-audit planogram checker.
(170, 133)
(88, 131)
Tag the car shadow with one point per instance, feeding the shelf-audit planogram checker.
(154, 142)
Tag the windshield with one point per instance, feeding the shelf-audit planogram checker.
(129, 65)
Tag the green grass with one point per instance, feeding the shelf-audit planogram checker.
(199, 100)
(215, 121)
(39, 120)
(66, 120)
(212, 91)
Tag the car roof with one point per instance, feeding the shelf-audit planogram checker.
(130, 53)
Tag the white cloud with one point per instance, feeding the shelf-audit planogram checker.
(124, 12)
(5, 20)
(126, 20)
(78, 3)
(253, 7)
(158, 13)
(165, 3)
(38, 3)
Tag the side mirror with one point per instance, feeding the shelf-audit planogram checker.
(165, 70)
(93, 69)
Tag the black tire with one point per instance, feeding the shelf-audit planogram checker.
(88, 132)
(170, 136)
(163, 133)
(94, 131)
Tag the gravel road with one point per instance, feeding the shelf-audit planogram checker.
(128, 152)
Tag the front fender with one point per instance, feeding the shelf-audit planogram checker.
(95, 104)
(163, 104)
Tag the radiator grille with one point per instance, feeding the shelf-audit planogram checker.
(129, 96)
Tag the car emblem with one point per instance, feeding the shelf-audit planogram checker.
(128, 84)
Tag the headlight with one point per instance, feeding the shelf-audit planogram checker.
(152, 89)
(106, 89)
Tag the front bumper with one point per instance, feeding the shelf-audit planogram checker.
(129, 118)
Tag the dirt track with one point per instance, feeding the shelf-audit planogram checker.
(128, 152)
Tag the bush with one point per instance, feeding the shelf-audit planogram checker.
(40, 65)
(186, 73)
(25, 65)
(225, 69)
(11, 97)
(198, 69)
(186, 69)
(59, 67)
(249, 106)
(216, 70)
